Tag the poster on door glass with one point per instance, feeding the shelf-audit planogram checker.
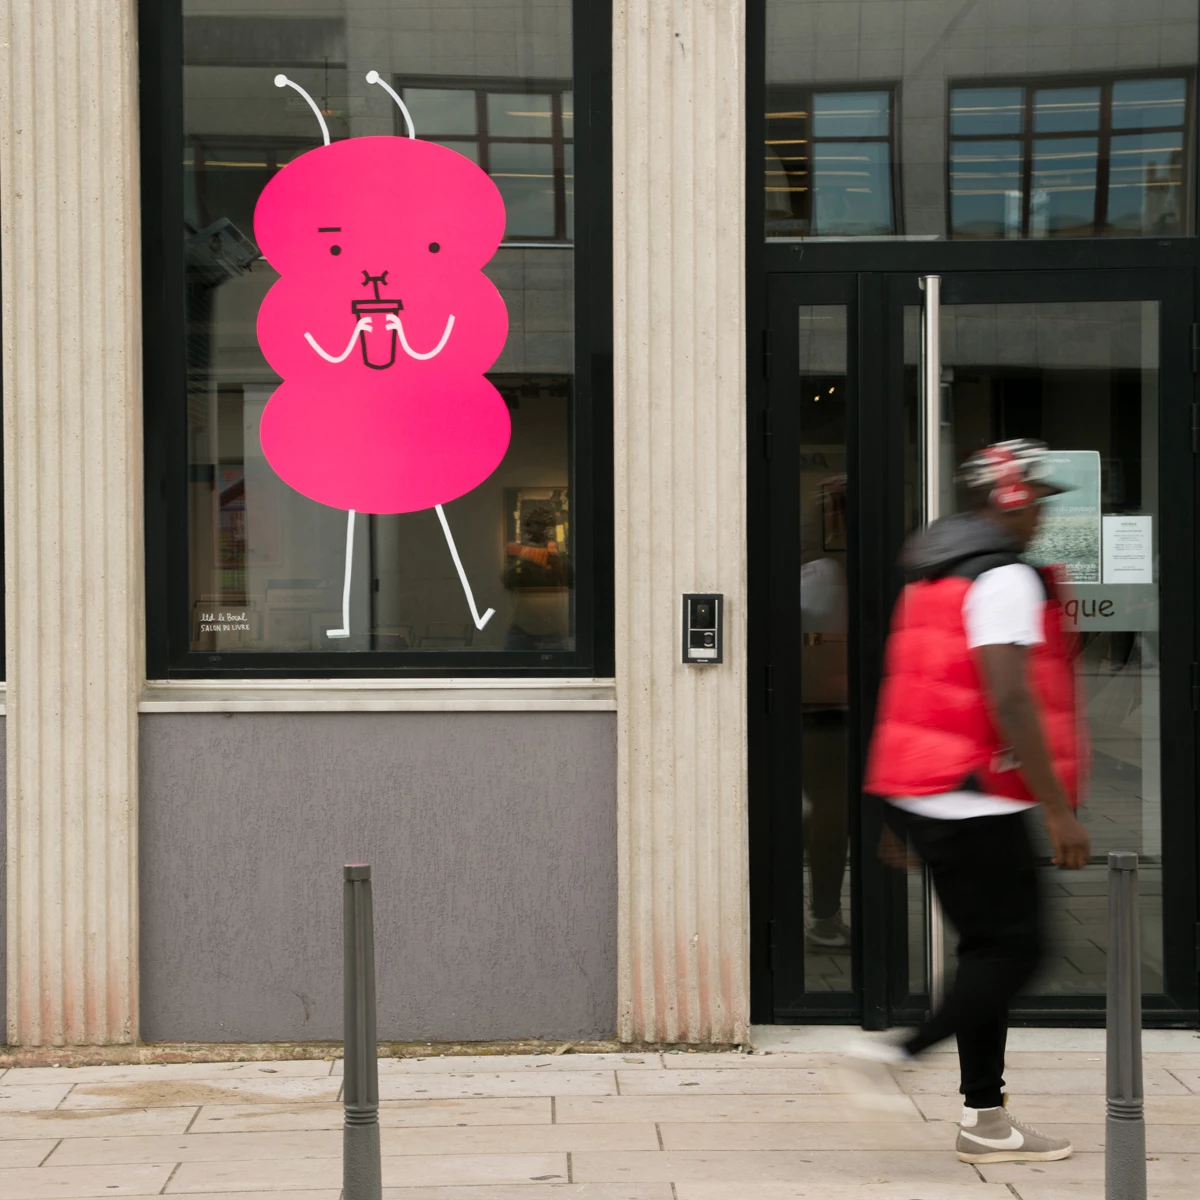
(1070, 533)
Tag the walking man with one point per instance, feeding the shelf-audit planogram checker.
(978, 725)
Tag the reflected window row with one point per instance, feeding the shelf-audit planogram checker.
(1100, 157)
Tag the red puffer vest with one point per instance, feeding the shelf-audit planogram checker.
(934, 732)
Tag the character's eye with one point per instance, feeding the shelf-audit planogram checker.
(335, 250)
(434, 247)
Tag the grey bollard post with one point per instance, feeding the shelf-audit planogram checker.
(1125, 1128)
(361, 1177)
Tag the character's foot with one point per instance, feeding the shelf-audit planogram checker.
(337, 633)
(990, 1135)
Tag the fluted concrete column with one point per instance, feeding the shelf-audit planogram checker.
(679, 145)
(72, 514)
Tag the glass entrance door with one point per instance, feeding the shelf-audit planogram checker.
(1098, 365)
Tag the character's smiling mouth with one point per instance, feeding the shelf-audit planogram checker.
(379, 349)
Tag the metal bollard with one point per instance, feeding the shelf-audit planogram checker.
(361, 1177)
(1125, 1127)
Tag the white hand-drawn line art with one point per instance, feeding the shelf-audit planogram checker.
(378, 347)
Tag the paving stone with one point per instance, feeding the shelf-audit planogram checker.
(191, 1147)
(731, 1166)
(687, 1108)
(288, 1194)
(138, 1073)
(738, 1082)
(168, 1093)
(437, 1086)
(1161, 1170)
(107, 1122)
(23, 1153)
(429, 1170)
(32, 1097)
(1051, 1081)
(1084, 1110)
(250, 1118)
(38, 1183)
(538, 1191)
(520, 1139)
(807, 1135)
(1045, 1188)
(754, 1062)
(962, 1190)
(497, 1064)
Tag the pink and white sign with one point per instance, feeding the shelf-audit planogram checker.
(381, 326)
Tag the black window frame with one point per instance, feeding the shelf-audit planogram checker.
(804, 95)
(1104, 133)
(483, 138)
(168, 646)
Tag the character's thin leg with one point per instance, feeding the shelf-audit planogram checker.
(345, 629)
(480, 622)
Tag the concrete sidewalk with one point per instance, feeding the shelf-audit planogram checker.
(776, 1124)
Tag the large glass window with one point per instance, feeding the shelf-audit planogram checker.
(1106, 158)
(829, 163)
(931, 119)
(375, 411)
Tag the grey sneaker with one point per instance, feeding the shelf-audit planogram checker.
(990, 1135)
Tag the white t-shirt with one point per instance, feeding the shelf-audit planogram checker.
(1003, 607)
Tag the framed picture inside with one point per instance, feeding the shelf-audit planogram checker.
(833, 513)
(536, 538)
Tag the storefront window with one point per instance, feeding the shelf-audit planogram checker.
(408, 482)
(1028, 161)
(979, 119)
(829, 163)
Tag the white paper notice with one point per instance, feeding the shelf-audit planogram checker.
(1128, 550)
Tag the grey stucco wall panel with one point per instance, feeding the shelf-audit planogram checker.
(3, 883)
(493, 842)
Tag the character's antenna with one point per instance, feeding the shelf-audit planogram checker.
(374, 77)
(284, 81)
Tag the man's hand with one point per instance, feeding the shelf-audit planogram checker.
(1072, 846)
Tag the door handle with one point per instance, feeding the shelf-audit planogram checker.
(931, 396)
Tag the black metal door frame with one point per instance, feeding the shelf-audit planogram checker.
(874, 304)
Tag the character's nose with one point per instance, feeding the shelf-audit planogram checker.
(368, 278)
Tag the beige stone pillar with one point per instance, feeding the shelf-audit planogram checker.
(679, 198)
(69, 225)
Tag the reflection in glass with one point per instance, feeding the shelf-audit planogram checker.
(1149, 103)
(1146, 183)
(525, 176)
(824, 546)
(266, 563)
(988, 70)
(829, 164)
(1066, 110)
(1063, 196)
(439, 110)
(519, 115)
(1083, 377)
(853, 187)
(850, 115)
(986, 112)
(985, 189)
(1066, 195)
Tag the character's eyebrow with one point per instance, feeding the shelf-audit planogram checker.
(329, 229)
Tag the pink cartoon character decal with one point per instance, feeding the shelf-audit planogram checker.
(381, 326)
